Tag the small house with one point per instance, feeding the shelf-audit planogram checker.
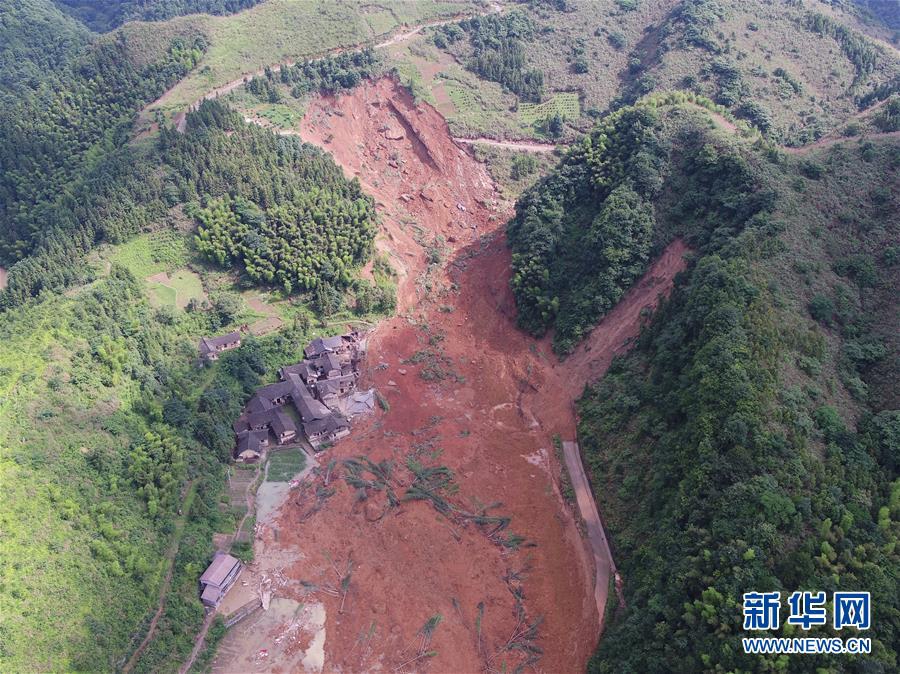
(283, 426)
(329, 390)
(321, 345)
(331, 428)
(218, 577)
(211, 347)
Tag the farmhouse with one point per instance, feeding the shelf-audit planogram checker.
(314, 387)
(218, 577)
(322, 345)
(211, 347)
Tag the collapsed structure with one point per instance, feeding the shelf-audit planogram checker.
(308, 392)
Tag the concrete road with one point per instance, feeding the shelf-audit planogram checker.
(603, 561)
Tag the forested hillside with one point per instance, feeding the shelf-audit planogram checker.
(795, 70)
(219, 156)
(104, 15)
(66, 115)
(112, 444)
(749, 441)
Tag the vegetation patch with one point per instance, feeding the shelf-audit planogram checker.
(284, 464)
(176, 290)
(564, 105)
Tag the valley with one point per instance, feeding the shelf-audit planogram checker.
(624, 273)
(490, 417)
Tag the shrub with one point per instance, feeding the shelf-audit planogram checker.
(821, 308)
(617, 40)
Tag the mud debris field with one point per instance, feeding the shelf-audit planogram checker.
(488, 568)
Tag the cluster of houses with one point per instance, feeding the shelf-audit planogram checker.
(304, 400)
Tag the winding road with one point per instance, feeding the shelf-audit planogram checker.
(522, 146)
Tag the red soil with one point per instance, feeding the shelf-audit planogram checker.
(505, 398)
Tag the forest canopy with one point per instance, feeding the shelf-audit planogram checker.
(723, 459)
(104, 15)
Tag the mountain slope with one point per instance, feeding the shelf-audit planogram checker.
(108, 14)
(749, 442)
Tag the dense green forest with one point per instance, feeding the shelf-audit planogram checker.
(104, 15)
(111, 434)
(219, 156)
(584, 233)
(66, 117)
(318, 239)
(750, 439)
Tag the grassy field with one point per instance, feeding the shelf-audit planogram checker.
(286, 30)
(177, 289)
(149, 254)
(284, 115)
(82, 556)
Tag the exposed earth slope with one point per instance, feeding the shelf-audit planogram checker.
(464, 389)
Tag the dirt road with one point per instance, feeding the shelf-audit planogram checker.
(167, 581)
(228, 87)
(834, 140)
(523, 146)
(200, 639)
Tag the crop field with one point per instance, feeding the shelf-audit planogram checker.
(285, 463)
(565, 105)
(280, 115)
(283, 115)
(287, 30)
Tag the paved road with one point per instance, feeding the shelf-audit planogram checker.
(603, 561)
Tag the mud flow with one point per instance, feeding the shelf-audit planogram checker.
(435, 537)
